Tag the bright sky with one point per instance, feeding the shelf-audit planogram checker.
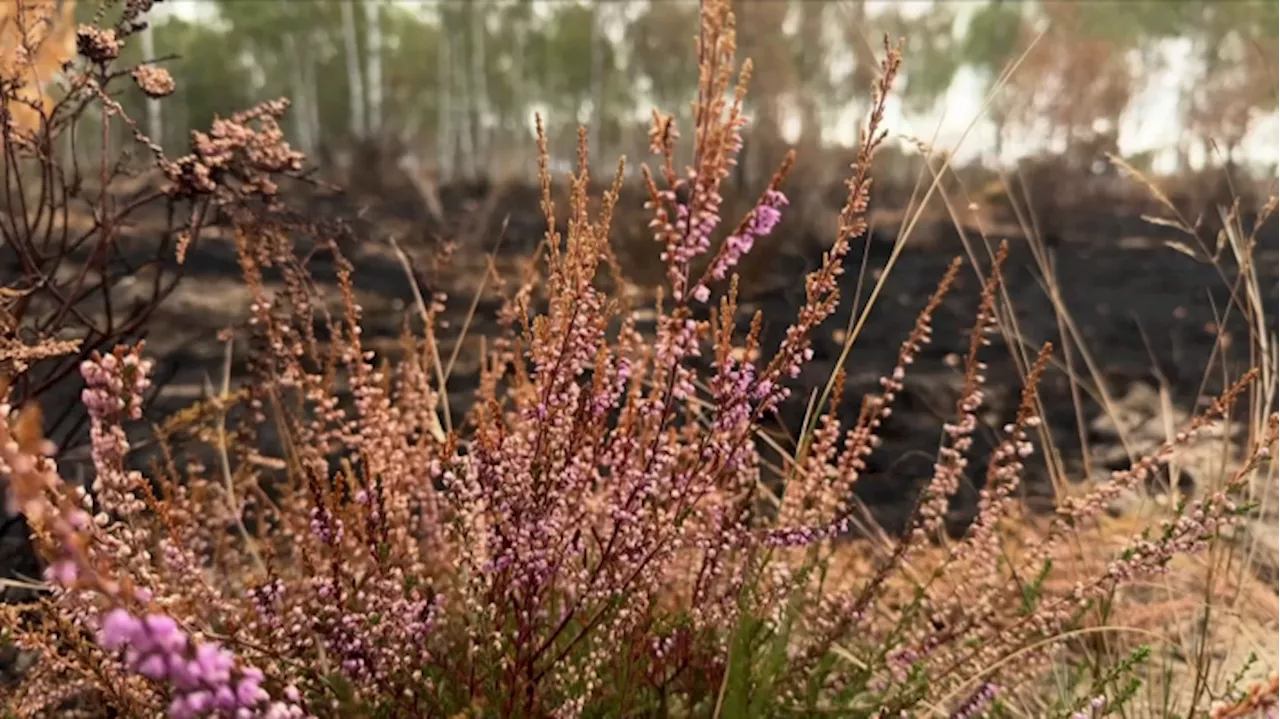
(1151, 123)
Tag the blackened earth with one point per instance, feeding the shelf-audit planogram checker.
(1147, 313)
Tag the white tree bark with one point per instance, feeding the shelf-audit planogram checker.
(302, 87)
(480, 89)
(597, 84)
(444, 101)
(355, 81)
(155, 126)
(311, 90)
(466, 136)
(301, 110)
(373, 35)
(520, 105)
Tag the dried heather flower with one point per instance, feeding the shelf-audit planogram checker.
(134, 9)
(153, 80)
(1261, 698)
(114, 385)
(695, 198)
(100, 45)
(236, 158)
(16, 355)
(953, 460)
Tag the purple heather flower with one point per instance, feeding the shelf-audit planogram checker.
(118, 629)
(63, 571)
(763, 220)
(204, 677)
(977, 702)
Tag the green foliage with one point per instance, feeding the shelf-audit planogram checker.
(661, 45)
(931, 41)
(992, 37)
(535, 54)
(410, 75)
(562, 52)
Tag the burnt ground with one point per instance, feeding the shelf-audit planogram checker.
(1147, 313)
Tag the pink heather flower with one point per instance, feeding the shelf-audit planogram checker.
(116, 383)
(325, 526)
(977, 703)
(98, 44)
(764, 219)
(1095, 705)
(118, 628)
(204, 677)
(64, 572)
(114, 387)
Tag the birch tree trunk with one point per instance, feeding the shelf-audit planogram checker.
(444, 102)
(1001, 122)
(517, 141)
(300, 89)
(311, 91)
(155, 128)
(865, 62)
(466, 136)
(812, 62)
(479, 87)
(597, 85)
(301, 109)
(373, 49)
(355, 82)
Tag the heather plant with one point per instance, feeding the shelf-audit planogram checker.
(595, 538)
(75, 281)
